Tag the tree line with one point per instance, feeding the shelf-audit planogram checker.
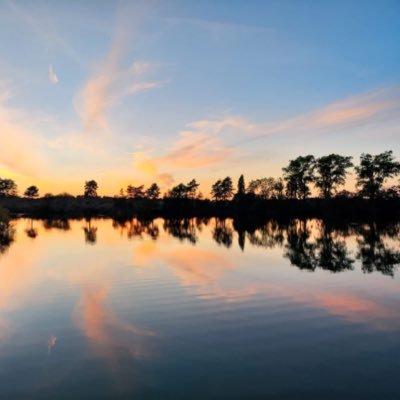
(327, 174)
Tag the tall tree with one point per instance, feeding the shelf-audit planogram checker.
(91, 188)
(374, 170)
(331, 171)
(32, 192)
(241, 190)
(153, 192)
(298, 175)
(7, 188)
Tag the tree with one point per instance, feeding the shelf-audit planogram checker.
(374, 170)
(182, 191)
(262, 188)
(153, 192)
(241, 186)
(331, 172)
(178, 192)
(192, 189)
(32, 192)
(298, 175)
(7, 188)
(91, 188)
(135, 192)
(222, 189)
(278, 188)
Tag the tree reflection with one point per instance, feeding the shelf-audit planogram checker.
(374, 253)
(90, 232)
(299, 250)
(7, 235)
(269, 235)
(222, 232)
(137, 227)
(327, 251)
(332, 251)
(31, 231)
(62, 224)
(183, 229)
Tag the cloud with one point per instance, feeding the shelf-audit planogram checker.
(15, 130)
(110, 81)
(165, 180)
(365, 110)
(52, 75)
(192, 149)
(142, 67)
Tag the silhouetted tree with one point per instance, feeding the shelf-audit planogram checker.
(374, 170)
(392, 192)
(91, 188)
(177, 192)
(135, 192)
(7, 188)
(182, 191)
(278, 188)
(266, 188)
(241, 190)
(153, 192)
(222, 189)
(298, 175)
(31, 192)
(192, 189)
(331, 172)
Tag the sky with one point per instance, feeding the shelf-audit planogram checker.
(135, 92)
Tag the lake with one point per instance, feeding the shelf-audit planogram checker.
(199, 309)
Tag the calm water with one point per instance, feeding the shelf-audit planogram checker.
(199, 309)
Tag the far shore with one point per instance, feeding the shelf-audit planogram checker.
(251, 209)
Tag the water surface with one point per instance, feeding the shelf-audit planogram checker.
(199, 309)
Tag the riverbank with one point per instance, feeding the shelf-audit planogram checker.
(75, 207)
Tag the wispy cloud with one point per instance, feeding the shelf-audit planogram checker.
(111, 81)
(52, 75)
(193, 149)
(210, 142)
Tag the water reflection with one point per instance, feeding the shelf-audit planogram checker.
(134, 311)
(223, 232)
(137, 228)
(373, 252)
(324, 249)
(183, 229)
(114, 341)
(307, 244)
(31, 231)
(90, 232)
(62, 224)
(7, 234)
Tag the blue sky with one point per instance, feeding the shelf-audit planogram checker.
(131, 92)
